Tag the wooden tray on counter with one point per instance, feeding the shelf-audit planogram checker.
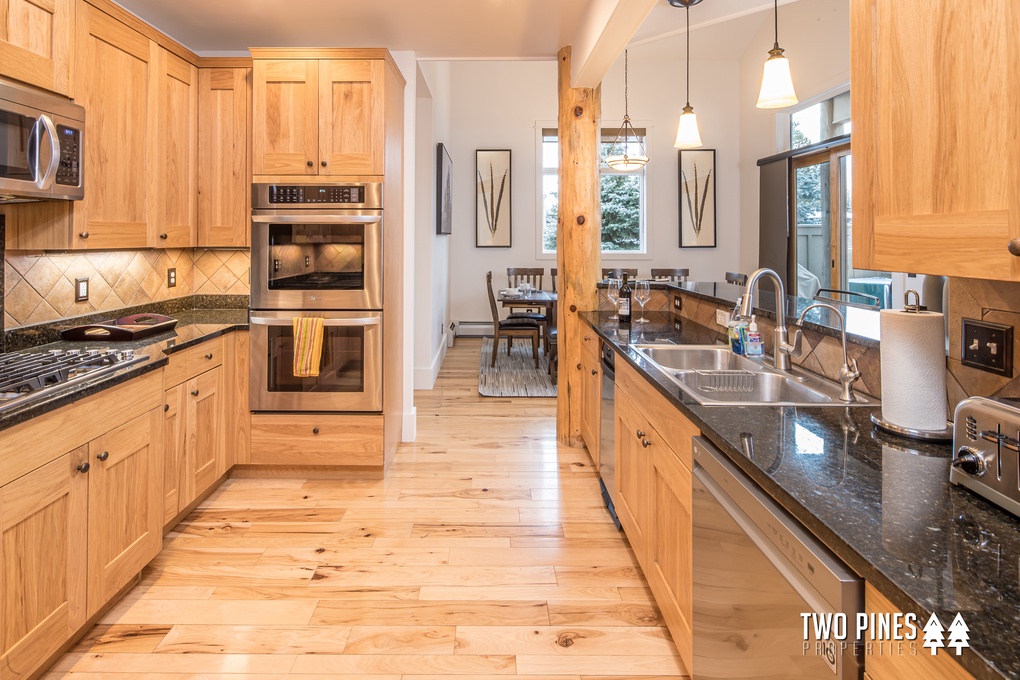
(132, 327)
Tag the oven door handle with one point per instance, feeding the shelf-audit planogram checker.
(334, 218)
(268, 321)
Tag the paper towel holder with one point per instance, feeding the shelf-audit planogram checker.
(913, 308)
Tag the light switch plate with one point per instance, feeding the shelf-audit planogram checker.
(81, 290)
(987, 346)
(171, 277)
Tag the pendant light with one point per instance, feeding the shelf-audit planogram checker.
(776, 83)
(618, 157)
(687, 134)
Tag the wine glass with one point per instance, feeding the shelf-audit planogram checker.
(525, 289)
(613, 293)
(642, 293)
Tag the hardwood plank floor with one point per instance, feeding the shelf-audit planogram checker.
(485, 552)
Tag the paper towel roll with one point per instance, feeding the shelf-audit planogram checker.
(914, 369)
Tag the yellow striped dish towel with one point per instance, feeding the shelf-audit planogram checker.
(307, 346)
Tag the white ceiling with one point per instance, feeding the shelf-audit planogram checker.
(435, 29)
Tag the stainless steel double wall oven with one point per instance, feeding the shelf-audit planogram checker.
(317, 250)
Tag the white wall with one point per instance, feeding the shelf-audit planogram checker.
(816, 37)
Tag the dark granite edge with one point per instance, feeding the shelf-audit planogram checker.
(23, 337)
(792, 302)
(972, 660)
(191, 342)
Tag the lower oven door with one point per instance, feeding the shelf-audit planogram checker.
(350, 371)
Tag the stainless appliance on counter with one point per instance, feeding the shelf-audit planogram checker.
(27, 377)
(317, 250)
(41, 146)
(756, 572)
(607, 432)
(986, 450)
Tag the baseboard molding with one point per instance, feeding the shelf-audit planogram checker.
(425, 377)
(476, 329)
(410, 425)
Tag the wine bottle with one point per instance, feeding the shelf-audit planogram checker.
(624, 302)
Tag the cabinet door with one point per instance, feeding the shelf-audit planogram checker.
(37, 41)
(670, 575)
(224, 177)
(633, 476)
(42, 563)
(125, 505)
(176, 177)
(285, 101)
(936, 165)
(175, 418)
(204, 449)
(352, 112)
(113, 79)
(591, 403)
(237, 419)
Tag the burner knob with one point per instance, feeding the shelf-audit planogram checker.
(56, 352)
(73, 352)
(95, 352)
(969, 460)
(129, 354)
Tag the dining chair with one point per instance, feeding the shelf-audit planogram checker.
(617, 273)
(673, 275)
(515, 276)
(552, 275)
(509, 328)
(737, 278)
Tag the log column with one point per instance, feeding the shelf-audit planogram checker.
(578, 239)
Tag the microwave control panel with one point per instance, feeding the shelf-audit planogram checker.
(69, 169)
(316, 194)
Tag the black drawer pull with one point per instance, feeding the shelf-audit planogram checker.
(209, 356)
(194, 393)
(83, 468)
(103, 456)
(315, 430)
(640, 434)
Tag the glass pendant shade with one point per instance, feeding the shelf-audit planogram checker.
(687, 134)
(776, 83)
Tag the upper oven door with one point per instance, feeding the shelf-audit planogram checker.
(317, 259)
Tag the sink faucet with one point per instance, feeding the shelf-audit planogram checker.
(849, 373)
(783, 349)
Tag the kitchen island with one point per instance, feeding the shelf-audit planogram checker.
(883, 505)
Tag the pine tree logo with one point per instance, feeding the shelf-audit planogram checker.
(933, 634)
(958, 634)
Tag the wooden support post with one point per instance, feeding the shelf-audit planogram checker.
(578, 238)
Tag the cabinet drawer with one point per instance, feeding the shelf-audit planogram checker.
(188, 363)
(590, 343)
(286, 439)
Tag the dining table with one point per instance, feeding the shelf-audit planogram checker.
(535, 298)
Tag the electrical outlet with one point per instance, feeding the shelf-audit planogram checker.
(81, 290)
(677, 303)
(171, 277)
(308, 261)
(722, 317)
(987, 346)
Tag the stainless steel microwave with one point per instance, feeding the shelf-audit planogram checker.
(41, 146)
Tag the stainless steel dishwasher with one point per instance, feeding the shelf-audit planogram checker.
(757, 572)
(607, 440)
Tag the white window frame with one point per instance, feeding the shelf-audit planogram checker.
(607, 255)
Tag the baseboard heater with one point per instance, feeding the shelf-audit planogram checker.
(473, 329)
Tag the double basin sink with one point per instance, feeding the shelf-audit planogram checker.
(715, 376)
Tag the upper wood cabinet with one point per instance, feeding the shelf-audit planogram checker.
(174, 185)
(224, 167)
(936, 158)
(36, 42)
(321, 116)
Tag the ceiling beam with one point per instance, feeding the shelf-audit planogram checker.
(604, 31)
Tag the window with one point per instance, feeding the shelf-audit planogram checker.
(820, 121)
(622, 194)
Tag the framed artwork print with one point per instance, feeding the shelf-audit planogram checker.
(444, 191)
(492, 198)
(697, 198)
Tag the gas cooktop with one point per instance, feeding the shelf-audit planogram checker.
(26, 377)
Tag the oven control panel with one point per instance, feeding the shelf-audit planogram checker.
(986, 450)
(316, 194)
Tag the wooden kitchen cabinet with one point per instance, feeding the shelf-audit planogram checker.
(43, 561)
(321, 112)
(935, 155)
(124, 514)
(175, 180)
(194, 425)
(633, 475)
(37, 43)
(224, 162)
(317, 439)
(236, 375)
(591, 394)
(921, 665)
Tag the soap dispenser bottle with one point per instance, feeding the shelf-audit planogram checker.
(753, 346)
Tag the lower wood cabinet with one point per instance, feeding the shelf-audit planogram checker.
(316, 439)
(591, 395)
(633, 475)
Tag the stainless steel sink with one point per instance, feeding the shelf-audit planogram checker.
(715, 376)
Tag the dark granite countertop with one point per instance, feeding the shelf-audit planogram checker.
(883, 504)
(193, 327)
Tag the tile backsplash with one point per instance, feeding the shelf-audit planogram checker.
(40, 287)
(995, 301)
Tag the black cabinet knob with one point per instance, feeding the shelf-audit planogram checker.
(164, 236)
(83, 468)
(323, 163)
(639, 433)
(209, 356)
(315, 430)
(166, 407)
(84, 234)
(310, 164)
(103, 456)
(194, 393)
(594, 372)
(645, 443)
